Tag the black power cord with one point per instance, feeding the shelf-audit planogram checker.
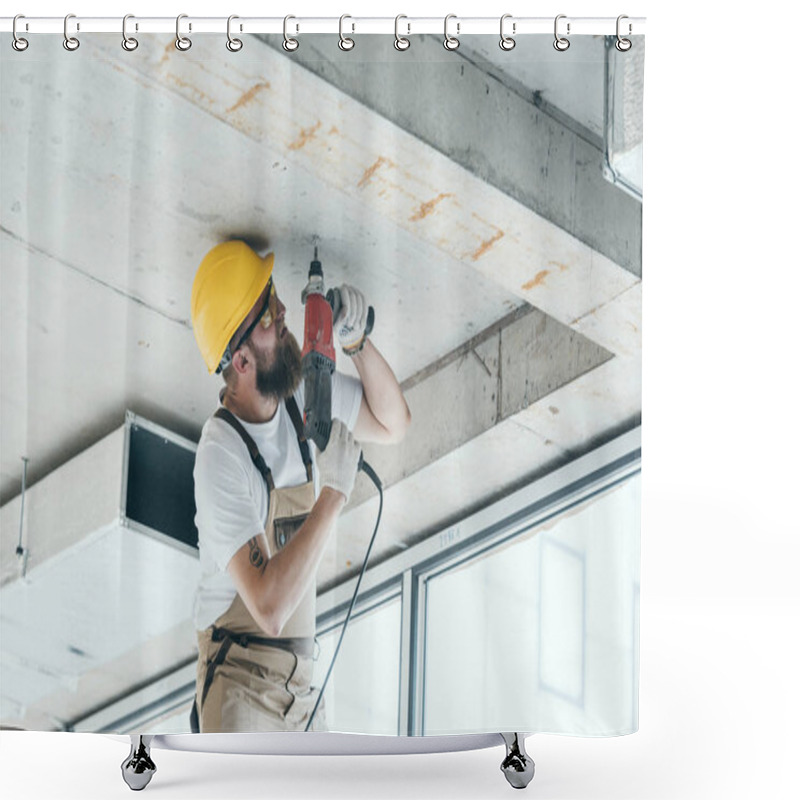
(373, 476)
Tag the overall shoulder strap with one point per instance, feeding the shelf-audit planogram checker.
(252, 447)
(297, 421)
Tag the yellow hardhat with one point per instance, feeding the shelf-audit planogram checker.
(227, 285)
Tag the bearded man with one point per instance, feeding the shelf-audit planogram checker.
(267, 502)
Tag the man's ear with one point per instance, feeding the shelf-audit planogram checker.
(241, 358)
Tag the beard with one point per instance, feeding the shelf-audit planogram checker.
(280, 379)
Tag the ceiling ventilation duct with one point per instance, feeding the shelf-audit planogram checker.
(105, 601)
(623, 116)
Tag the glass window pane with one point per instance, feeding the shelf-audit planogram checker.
(540, 634)
(362, 695)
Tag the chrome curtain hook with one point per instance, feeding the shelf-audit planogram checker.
(183, 43)
(507, 42)
(623, 45)
(451, 42)
(561, 43)
(289, 44)
(345, 43)
(234, 45)
(18, 43)
(400, 42)
(128, 42)
(70, 42)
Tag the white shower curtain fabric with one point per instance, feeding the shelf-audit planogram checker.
(486, 205)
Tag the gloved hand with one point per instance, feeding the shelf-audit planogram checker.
(351, 322)
(338, 462)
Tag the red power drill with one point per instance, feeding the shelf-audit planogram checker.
(319, 363)
(319, 354)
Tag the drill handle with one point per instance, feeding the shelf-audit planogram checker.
(334, 297)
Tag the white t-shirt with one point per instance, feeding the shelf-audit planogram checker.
(231, 495)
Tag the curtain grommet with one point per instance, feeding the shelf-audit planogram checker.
(18, 43)
(507, 42)
(400, 42)
(234, 45)
(345, 42)
(561, 43)
(623, 45)
(128, 42)
(451, 42)
(289, 44)
(182, 43)
(71, 43)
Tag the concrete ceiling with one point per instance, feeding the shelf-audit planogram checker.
(462, 192)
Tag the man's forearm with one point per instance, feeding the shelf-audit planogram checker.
(290, 571)
(382, 391)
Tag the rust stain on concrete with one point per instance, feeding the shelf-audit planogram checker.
(537, 281)
(333, 130)
(487, 244)
(248, 96)
(561, 267)
(197, 94)
(306, 135)
(370, 171)
(167, 53)
(426, 208)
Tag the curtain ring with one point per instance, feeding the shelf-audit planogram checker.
(400, 42)
(623, 45)
(70, 42)
(183, 43)
(19, 44)
(234, 45)
(507, 42)
(561, 43)
(345, 43)
(450, 42)
(289, 44)
(128, 42)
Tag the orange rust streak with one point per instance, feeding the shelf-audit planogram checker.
(537, 281)
(306, 134)
(368, 173)
(561, 267)
(426, 208)
(167, 52)
(487, 244)
(198, 94)
(248, 96)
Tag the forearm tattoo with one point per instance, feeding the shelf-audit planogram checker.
(257, 558)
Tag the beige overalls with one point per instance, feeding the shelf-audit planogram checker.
(247, 682)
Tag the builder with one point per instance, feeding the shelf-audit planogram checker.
(267, 502)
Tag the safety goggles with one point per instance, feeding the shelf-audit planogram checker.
(265, 317)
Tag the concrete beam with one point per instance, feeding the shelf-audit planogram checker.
(492, 377)
(469, 110)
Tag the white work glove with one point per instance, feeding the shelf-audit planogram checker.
(351, 322)
(337, 464)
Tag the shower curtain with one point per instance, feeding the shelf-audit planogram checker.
(485, 203)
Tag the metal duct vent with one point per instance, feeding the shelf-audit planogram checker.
(158, 489)
(624, 116)
(104, 606)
